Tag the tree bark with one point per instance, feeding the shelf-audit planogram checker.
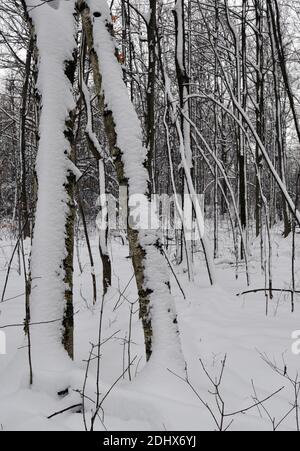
(51, 293)
(157, 310)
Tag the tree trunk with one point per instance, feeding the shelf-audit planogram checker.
(150, 143)
(24, 202)
(157, 309)
(51, 299)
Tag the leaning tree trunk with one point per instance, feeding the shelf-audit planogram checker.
(157, 309)
(51, 299)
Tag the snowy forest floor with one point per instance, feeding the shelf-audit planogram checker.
(213, 322)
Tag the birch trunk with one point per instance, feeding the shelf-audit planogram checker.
(51, 298)
(157, 309)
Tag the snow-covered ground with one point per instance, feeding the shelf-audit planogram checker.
(213, 322)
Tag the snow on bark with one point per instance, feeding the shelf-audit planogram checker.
(166, 348)
(134, 154)
(55, 30)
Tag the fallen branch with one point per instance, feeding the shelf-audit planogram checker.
(263, 290)
(63, 411)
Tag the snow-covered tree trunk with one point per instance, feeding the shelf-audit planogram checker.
(157, 309)
(51, 299)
